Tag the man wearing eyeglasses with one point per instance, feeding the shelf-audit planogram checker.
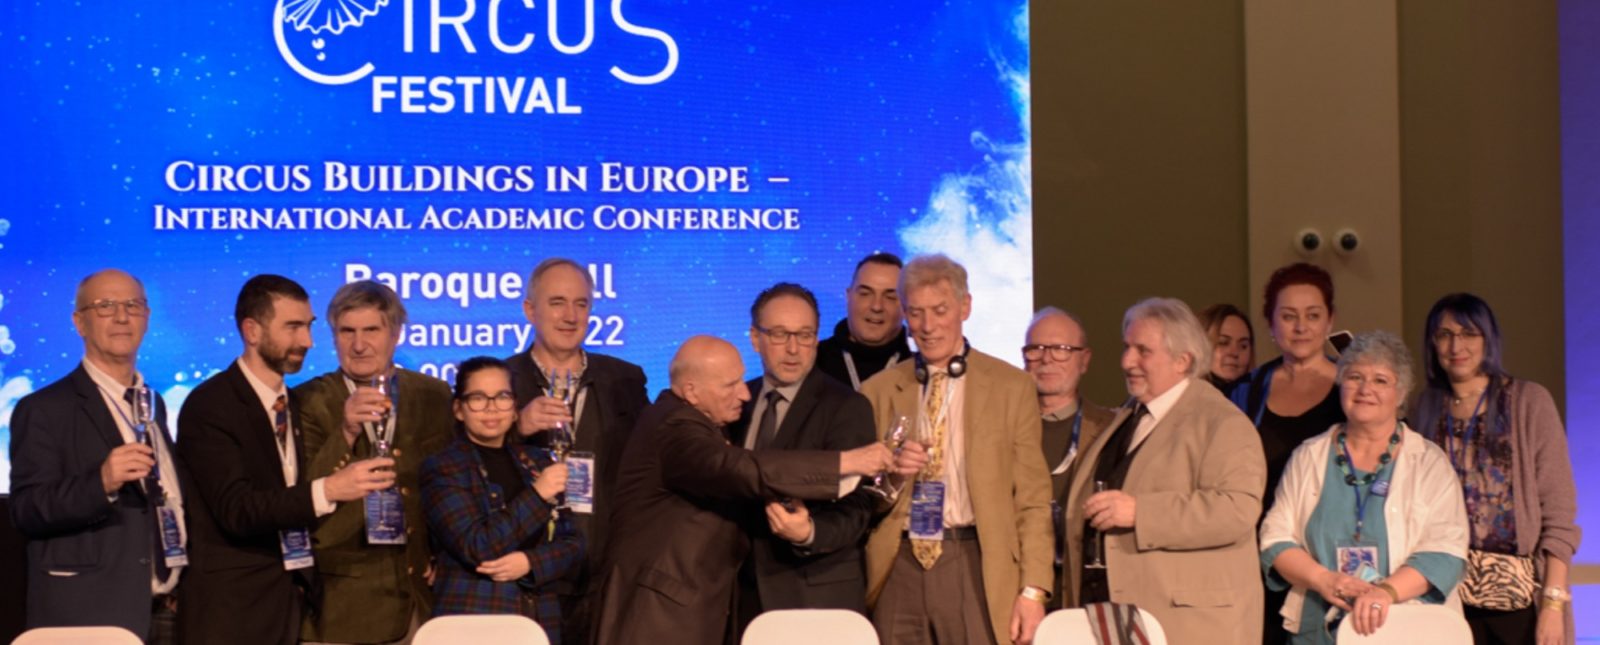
(93, 483)
(605, 401)
(803, 554)
(375, 571)
(1057, 356)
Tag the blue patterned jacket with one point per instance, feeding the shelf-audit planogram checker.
(471, 522)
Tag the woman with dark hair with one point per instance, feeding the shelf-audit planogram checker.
(491, 509)
(1293, 397)
(1233, 343)
(1506, 440)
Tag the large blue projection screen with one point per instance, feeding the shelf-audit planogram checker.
(691, 152)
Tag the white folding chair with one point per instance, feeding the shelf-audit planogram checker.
(809, 627)
(1071, 626)
(481, 629)
(77, 636)
(1412, 624)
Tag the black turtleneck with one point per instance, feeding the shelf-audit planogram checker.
(869, 360)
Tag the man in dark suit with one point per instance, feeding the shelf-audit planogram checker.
(1056, 355)
(86, 489)
(677, 546)
(373, 591)
(607, 398)
(250, 514)
(809, 557)
(871, 337)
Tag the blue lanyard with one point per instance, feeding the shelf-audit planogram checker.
(1378, 487)
(1077, 424)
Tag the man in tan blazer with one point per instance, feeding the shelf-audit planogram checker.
(1057, 355)
(1184, 474)
(986, 577)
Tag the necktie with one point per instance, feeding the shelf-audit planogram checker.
(927, 551)
(769, 421)
(154, 496)
(280, 422)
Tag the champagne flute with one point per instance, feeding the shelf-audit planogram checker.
(1099, 560)
(144, 416)
(381, 447)
(561, 388)
(895, 440)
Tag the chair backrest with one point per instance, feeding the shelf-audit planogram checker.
(77, 636)
(1413, 624)
(809, 627)
(1065, 626)
(481, 630)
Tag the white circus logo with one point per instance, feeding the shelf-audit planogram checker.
(316, 17)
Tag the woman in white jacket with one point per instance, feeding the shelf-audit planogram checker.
(1369, 513)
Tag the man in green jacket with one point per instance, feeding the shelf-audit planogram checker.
(373, 565)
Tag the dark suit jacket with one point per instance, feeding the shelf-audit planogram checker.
(828, 574)
(677, 544)
(473, 521)
(236, 590)
(618, 388)
(370, 591)
(89, 559)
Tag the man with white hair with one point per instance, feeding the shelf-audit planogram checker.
(1182, 477)
(964, 554)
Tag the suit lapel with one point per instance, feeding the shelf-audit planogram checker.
(258, 426)
(1161, 436)
(1087, 458)
(94, 405)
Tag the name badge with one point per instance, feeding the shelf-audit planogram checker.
(386, 518)
(296, 546)
(1358, 560)
(580, 482)
(172, 539)
(1380, 488)
(927, 511)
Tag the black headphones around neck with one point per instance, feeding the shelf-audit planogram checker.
(956, 368)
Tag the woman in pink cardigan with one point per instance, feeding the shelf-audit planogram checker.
(1506, 441)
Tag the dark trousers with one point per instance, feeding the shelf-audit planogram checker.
(943, 605)
(1272, 632)
(1490, 627)
(163, 621)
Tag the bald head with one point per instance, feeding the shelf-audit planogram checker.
(1056, 355)
(111, 313)
(708, 373)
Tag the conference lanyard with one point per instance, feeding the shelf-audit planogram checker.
(1072, 442)
(855, 377)
(1379, 488)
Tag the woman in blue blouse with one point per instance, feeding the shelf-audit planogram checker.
(490, 504)
(1369, 513)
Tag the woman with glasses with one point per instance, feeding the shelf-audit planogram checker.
(492, 509)
(1506, 441)
(1369, 513)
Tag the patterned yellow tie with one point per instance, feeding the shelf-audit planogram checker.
(927, 551)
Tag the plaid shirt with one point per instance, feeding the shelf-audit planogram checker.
(471, 522)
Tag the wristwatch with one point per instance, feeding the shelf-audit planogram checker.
(1557, 594)
(1035, 594)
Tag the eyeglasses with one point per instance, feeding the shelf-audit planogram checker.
(478, 401)
(783, 336)
(107, 307)
(1037, 351)
(1445, 336)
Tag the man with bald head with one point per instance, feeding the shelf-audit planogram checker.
(1057, 355)
(676, 543)
(95, 481)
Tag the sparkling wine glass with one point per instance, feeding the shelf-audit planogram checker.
(561, 439)
(1099, 560)
(895, 440)
(381, 446)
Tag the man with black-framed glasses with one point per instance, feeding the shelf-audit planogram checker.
(95, 479)
(804, 555)
(1057, 356)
